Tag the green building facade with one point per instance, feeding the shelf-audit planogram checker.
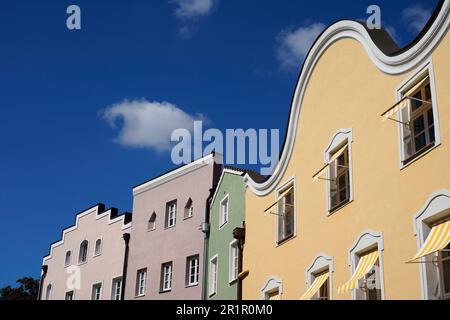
(223, 254)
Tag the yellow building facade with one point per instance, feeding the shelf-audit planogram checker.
(363, 180)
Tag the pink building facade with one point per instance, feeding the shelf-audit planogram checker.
(88, 262)
(167, 246)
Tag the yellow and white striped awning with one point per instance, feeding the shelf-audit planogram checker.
(317, 284)
(324, 169)
(403, 103)
(365, 264)
(438, 239)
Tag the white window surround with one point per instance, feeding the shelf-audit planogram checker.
(224, 217)
(366, 241)
(425, 68)
(291, 182)
(67, 292)
(114, 282)
(213, 277)
(97, 284)
(193, 270)
(80, 261)
(320, 264)
(151, 225)
(141, 282)
(68, 259)
(171, 214)
(49, 291)
(272, 284)
(340, 138)
(166, 277)
(98, 250)
(233, 262)
(436, 208)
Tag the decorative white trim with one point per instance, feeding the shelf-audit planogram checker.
(93, 210)
(272, 284)
(193, 166)
(436, 208)
(233, 243)
(291, 182)
(211, 292)
(422, 70)
(101, 289)
(95, 247)
(224, 172)
(366, 241)
(321, 263)
(112, 286)
(340, 138)
(393, 65)
(222, 224)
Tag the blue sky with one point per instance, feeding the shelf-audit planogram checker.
(82, 113)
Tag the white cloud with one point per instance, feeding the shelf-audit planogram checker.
(147, 124)
(416, 17)
(191, 9)
(294, 44)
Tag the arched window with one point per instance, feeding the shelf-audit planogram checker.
(152, 222)
(82, 257)
(189, 209)
(48, 293)
(67, 259)
(98, 247)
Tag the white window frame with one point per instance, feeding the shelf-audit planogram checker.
(233, 265)
(94, 294)
(141, 282)
(166, 276)
(189, 209)
(365, 242)
(49, 293)
(291, 183)
(68, 260)
(80, 262)
(98, 253)
(435, 209)
(343, 137)
(114, 282)
(171, 214)
(151, 226)
(196, 266)
(320, 264)
(273, 284)
(213, 276)
(224, 216)
(67, 292)
(422, 71)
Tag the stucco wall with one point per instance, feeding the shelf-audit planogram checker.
(103, 268)
(220, 238)
(346, 90)
(151, 249)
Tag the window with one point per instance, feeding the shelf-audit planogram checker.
(286, 217)
(189, 209)
(234, 261)
(152, 222)
(272, 289)
(192, 270)
(98, 247)
(166, 277)
(82, 257)
(69, 295)
(371, 285)
(67, 259)
(213, 276)
(141, 282)
(339, 178)
(96, 291)
(324, 291)
(48, 293)
(444, 272)
(224, 212)
(418, 120)
(171, 214)
(116, 289)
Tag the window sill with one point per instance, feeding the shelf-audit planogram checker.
(187, 218)
(165, 291)
(223, 225)
(283, 242)
(82, 263)
(191, 285)
(212, 294)
(168, 228)
(140, 296)
(96, 255)
(232, 282)
(339, 207)
(418, 156)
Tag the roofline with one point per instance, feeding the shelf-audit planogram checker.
(178, 172)
(390, 62)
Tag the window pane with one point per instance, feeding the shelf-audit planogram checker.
(419, 125)
(415, 103)
(428, 92)
(420, 141)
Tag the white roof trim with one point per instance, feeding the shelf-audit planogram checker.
(392, 65)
